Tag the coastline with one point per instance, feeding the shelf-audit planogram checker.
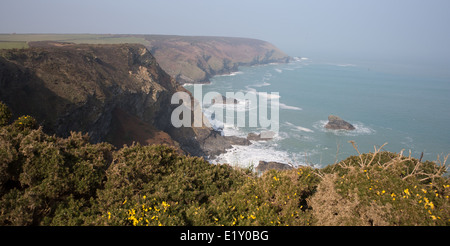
(302, 134)
(221, 157)
(236, 71)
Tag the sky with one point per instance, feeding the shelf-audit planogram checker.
(388, 30)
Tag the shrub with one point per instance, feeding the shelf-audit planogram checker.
(391, 190)
(42, 174)
(47, 180)
(163, 176)
(5, 114)
(25, 122)
(275, 198)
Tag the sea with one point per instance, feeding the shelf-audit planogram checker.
(408, 113)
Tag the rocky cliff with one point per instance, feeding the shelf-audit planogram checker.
(197, 59)
(188, 59)
(115, 93)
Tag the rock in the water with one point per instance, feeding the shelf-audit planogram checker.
(215, 144)
(264, 166)
(336, 123)
(265, 135)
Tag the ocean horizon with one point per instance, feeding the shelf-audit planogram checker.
(407, 111)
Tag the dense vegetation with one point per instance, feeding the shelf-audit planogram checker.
(47, 180)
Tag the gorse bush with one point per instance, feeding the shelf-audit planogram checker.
(41, 174)
(5, 114)
(47, 180)
(383, 189)
(25, 122)
(152, 176)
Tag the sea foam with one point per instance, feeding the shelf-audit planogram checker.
(284, 106)
(246, 156)
(298, 128)
(261, 84)
(231, 74)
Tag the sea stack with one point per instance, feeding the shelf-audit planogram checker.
(336, 123)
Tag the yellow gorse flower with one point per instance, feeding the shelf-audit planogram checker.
(407, 192)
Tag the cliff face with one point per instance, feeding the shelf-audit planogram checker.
(188, 59)
(77, 87)
(197, 59)
(116, 93)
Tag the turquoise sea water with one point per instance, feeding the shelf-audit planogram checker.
(408, 112)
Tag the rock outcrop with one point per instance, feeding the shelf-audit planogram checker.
(336, 123)
(116, 93)
(196, 59)
(265, 166)
(263, 136)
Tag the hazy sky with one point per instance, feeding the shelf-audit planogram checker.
(367, 29)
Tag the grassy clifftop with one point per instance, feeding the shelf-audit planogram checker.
(47, 180)
(186, 58)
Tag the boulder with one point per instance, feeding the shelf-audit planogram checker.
(215, 144)
(265, 135)
(336, 123)
(264, 166)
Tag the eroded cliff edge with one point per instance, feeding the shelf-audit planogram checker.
(188, 59)
(116, 93)
(197, 59)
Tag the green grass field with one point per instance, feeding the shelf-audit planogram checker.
(13, 45)
(11, 41)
